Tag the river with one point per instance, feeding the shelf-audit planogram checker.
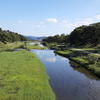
(68, 80)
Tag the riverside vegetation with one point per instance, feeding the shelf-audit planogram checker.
(22, 74)
(35, 46)
(87, 60)
(84, 37)
(23, 77)
(9, 46)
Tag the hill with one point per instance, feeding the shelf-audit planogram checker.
(35, 37)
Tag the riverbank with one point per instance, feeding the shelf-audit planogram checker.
(10, 46)
(33, 46)
(89, 61)
(23, 77)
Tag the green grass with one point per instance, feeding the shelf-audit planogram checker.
(23, 77)
(29, 47)
(93, 50)
(89, 61)
(11, 46)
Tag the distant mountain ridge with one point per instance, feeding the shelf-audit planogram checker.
(35, 37)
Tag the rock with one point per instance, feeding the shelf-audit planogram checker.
(90, 82)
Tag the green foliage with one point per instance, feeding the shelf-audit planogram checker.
(23, 77)
(9, 46)
(59, 39)
(89, 61)
(8, 36)
(80, 36)
(84, 35)
(36, 44)
(29, 47)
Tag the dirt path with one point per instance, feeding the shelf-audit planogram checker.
(87, 51)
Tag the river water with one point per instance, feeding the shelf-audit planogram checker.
(68, 80)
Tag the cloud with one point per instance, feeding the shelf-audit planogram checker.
(65, 21)
(51, 59)
(98, 17)
(13, 24)
(43, 26)
(25, 22)
(42, 22)
(89, 20)
(78, 23)
(53, 20)
(37, 25)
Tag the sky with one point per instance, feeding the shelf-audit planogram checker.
(47, 17)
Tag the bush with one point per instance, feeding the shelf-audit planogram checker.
(91, 59)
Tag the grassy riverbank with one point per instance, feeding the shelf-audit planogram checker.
(23, 77)
(89, 61)
(35, 46)
(9, 46)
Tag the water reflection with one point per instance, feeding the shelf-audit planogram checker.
(37, 53)
(68, 80)
(51, 59)
(63, 58)
(82, 70)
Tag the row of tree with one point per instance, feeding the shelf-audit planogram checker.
(9, 36)
(80, 36)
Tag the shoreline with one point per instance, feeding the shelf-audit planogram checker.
(79, 60)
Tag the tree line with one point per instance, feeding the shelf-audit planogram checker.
(9, 36)
(80, 36)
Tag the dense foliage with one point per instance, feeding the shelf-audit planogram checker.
(82, 35)
(9, 36)
(57, 38)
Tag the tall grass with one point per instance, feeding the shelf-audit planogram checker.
(23, 77)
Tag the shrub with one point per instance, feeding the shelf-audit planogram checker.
(91, 59)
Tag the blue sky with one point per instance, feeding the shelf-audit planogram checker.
(47, 17)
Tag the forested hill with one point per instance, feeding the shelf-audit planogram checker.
(35, 37)
(9, 36)
(80, 36)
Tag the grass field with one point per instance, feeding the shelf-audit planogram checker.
(23, 77)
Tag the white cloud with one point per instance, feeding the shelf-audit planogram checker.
(98, 17)
(14, 24)
(51, 59)
(53, 20)
(42, 22)
(89, 19)
(25, 22)
(65, 21)
(37, 25)
(43, 26)
(78, 23)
